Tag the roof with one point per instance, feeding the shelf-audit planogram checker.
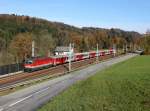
(62, 49)
(38, 57)
(59, 56)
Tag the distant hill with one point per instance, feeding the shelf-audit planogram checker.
(48, 35)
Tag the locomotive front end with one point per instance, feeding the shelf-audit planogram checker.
(28, 65)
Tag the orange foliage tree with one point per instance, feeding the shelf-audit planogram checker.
(21, 46)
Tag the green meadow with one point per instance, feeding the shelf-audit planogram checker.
(122, 87)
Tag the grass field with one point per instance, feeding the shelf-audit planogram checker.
(122, 87)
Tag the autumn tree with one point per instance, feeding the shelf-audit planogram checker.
(62, 38)
(21, 46)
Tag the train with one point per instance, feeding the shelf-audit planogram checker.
(37, 63)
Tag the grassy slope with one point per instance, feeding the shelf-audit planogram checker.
(122, 87)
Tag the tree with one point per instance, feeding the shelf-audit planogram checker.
(82, 45)
(44, 43)
(2, 44)
(147, 44)
(21, 46)
(62, 38)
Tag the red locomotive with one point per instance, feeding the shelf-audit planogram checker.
(37, 63)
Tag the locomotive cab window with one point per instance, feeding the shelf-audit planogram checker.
(29, 62)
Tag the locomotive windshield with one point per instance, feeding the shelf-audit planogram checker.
(28, 62)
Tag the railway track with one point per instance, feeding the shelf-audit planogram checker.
(13, 81)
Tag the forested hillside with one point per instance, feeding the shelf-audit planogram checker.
(17, 33)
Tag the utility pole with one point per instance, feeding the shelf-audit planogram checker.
(114, 49)
(69, 57)
(97, 53)
(33, 49)
(126, 48)
(123, 49)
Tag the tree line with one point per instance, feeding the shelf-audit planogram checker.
(18, 32)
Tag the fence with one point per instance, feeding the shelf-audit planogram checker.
(11, 68)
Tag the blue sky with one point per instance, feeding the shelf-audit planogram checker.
(124, 14)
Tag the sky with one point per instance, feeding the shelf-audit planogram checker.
(130, 15)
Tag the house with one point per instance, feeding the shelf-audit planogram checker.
(62, 50)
